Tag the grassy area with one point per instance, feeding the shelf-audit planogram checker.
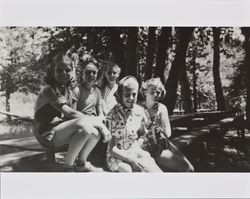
(20, 104)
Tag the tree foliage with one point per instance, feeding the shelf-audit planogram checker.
(26, 52)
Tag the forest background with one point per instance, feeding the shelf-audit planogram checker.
(201, 67)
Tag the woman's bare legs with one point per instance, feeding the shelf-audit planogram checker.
(90, 144)
(174, 160)
(71, 132)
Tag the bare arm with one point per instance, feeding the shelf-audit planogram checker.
(165, 120)
(60, 103)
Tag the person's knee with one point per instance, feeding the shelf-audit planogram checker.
(86, 127)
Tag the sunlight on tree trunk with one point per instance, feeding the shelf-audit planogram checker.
(194, 81)
(246, 32)
(221, 104)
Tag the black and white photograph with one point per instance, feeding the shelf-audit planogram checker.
(125, 99)
(83, 101)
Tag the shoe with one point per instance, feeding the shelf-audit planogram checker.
(68, 168)
(86, 167)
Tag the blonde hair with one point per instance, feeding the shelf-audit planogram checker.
(153, 82)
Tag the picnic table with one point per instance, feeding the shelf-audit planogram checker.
(184, 120)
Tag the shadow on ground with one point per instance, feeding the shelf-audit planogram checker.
(228, 154)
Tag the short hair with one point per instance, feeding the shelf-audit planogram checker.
(95, 63)
(153, 82)
(61, 57)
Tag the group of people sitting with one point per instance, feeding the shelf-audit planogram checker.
(78, 115)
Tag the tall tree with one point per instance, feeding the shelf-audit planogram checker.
(177, 67)
(131, 68)
(117, 48)
(220, 99)
(246, 32)
(162, 52)
(150, 52)
(186, 92)
(195, 100)
(20, 69)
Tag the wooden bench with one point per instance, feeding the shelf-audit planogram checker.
(180, 121)
(28, 147)
(195, 135)
(215, 123)
(236, 122)
(14, 151)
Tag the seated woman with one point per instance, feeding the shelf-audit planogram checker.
(125, 121)
(167, 156)
(109, 85)
(57, 123)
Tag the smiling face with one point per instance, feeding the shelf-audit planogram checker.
(112, 74)
(89, 73)
(63, 73)
(153, 94)
(129, 94)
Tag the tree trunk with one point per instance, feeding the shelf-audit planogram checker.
(162, 52)
(220, 99)
(246, 32)
(150, 53)
(186, 92)
(131, 68)
(177, 67)
(7, 95)
(194, 80)
(117, 49)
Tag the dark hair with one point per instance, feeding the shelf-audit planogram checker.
(95, 63)
(59, 57)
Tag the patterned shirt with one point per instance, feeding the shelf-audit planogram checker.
(124, 125)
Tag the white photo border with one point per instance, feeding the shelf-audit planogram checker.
(233, 13)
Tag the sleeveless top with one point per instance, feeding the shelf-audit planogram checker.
(44, 111)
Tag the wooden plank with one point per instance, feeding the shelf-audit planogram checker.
(13, 158)
(192, 136)
(26, 143)
(197, 133)
(181, 121)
